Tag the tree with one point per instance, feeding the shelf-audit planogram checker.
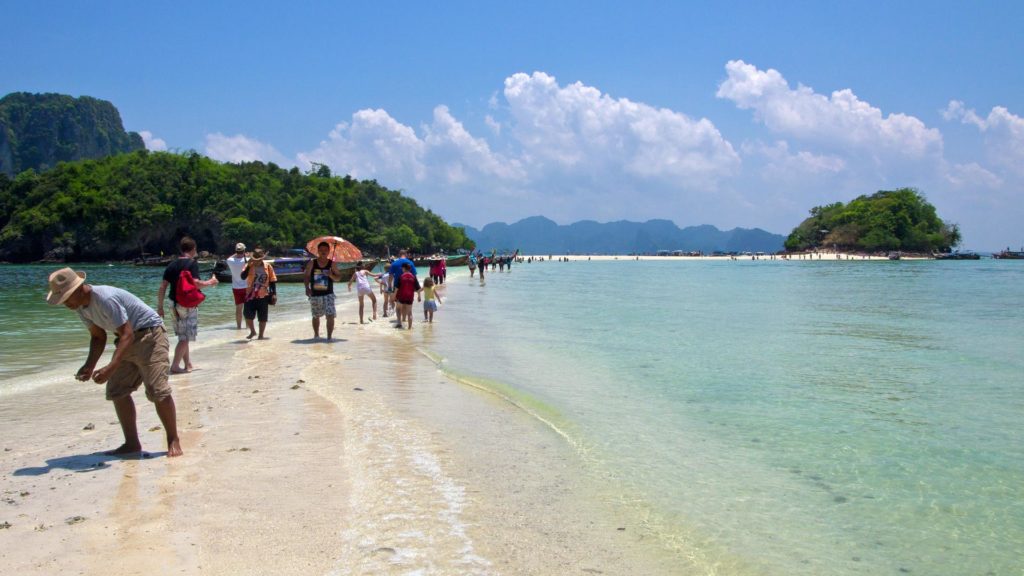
(887, 220)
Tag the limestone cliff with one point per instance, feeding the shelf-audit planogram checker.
(39, 130)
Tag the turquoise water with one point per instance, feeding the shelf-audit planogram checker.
(765, 417)
(777, 417)
(35, 335)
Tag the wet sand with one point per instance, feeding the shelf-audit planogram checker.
(306, 457)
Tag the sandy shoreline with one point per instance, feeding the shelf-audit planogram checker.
(301, 457)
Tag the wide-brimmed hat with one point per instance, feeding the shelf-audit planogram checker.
(239, 247)
(258, 254)
(63, 284)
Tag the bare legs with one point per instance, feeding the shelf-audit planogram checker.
(238, 315)
(252, 328)
(373, 303)
(125, 409)
(330, 327)
(181, 363)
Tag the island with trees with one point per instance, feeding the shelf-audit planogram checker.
(888, 220)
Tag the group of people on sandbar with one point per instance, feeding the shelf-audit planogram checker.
(142, 354)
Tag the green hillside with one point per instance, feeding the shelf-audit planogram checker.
(120, 206)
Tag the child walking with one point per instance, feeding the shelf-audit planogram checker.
(429, 302)
(363, 288)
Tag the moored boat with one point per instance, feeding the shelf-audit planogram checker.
(292, 269)
(966, 255)
(152, 260)
(1009, 254)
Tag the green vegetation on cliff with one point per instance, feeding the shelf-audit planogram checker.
(120, 206)
(39, 130)
(887, 220)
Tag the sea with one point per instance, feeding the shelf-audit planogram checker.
(771, 417)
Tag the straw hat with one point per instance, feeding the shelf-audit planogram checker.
(239, 247)
(258, 254)
(63, 284)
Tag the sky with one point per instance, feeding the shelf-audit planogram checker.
(734, 114)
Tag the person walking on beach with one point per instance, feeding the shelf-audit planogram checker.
(186, 318)
(435, 270)
(236, 262)
(472, 264)
(387, 289)
(430, 300)
(408, 286)
(396, 270)
(321, 274)
(260, 292)
(140, 353)
(363, 288)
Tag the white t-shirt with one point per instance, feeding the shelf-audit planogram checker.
(236, 263)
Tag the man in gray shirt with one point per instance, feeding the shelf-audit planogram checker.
(140, 354)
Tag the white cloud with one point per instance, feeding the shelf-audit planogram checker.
(1004, 133)
(839, 121)
(152, 143)
(577, 129)
(972, 175)
(780, 162)
(373, 145)
(239, 148)
(566, 148)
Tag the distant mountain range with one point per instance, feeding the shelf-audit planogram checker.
(39, 130)
(539, 235)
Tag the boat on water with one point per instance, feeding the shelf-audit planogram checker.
(1009, 254)
(449, 261)
(957, 255)
(145, 259)
(293, 268)
(894, 255)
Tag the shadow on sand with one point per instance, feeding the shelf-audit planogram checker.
(318, 341)
(83, 463)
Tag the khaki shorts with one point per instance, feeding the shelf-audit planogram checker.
(145, 362)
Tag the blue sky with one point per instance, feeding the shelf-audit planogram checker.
(716, 113)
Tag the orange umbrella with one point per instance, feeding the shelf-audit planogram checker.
(341, 250)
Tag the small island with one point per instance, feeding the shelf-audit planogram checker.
(889, 220)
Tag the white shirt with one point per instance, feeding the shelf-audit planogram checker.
(236, 263)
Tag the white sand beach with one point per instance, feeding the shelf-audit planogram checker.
(303, 457)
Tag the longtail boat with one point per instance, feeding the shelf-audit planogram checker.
(293, 269)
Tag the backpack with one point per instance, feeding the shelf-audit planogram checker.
(186, 293)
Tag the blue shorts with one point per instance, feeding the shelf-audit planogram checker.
(429, 305)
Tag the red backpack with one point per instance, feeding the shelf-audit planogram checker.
(186, 293)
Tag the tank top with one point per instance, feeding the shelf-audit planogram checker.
(320, 282)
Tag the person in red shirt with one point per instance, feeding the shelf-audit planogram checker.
(408, 286)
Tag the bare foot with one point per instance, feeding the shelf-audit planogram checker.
(124, 450)
(179, 370)
(174, 448)
(250, 336)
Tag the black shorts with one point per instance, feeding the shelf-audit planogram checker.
(257, 307)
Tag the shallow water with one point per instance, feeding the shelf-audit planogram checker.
(760, 417)
(776, 417)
